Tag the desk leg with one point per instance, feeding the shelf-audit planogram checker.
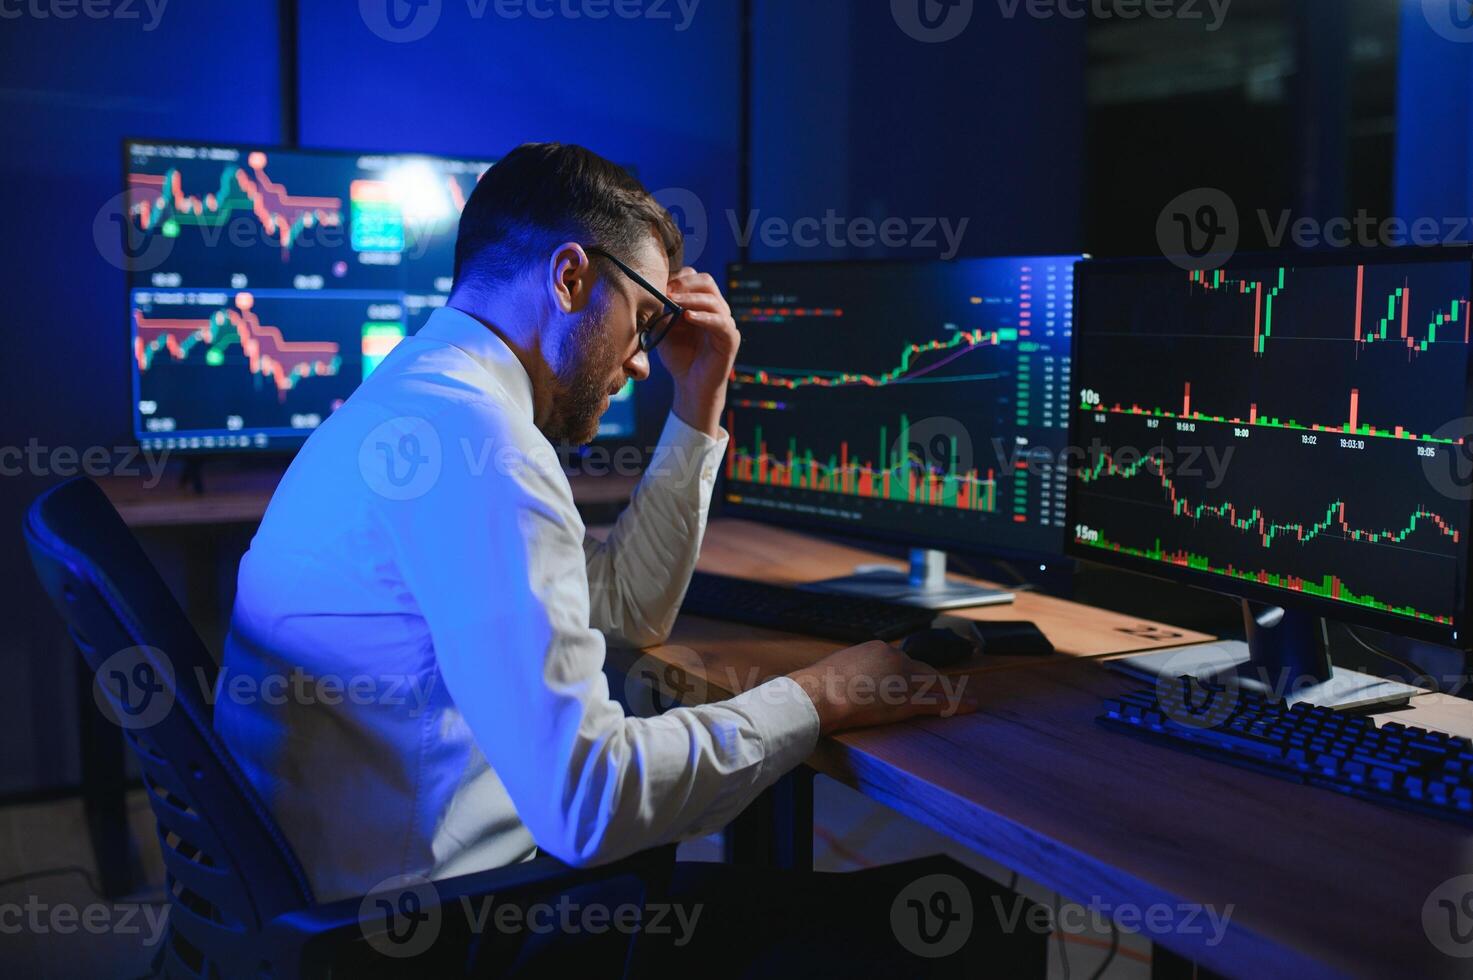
(104, 791)
(776, 831)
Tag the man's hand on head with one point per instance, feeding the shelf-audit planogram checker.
(700, 350)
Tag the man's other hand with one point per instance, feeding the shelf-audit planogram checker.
(875, 683)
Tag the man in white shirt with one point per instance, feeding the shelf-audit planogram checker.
(421, 619)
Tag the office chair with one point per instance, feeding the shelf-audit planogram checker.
(240, 901)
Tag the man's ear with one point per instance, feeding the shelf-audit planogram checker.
(570, 278)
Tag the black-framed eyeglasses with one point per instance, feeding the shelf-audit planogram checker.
(661, 325)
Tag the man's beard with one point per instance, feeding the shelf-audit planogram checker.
(583, 379)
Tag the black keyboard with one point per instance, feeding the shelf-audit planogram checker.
(848, 619)
(1391, 764)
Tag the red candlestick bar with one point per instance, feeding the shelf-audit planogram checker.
(1360, 287)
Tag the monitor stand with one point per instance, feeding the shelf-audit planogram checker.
(192, 475)
(924, 585)
(1286, 656)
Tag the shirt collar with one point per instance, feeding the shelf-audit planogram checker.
(480, 343)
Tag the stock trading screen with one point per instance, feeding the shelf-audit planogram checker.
(923, 401)
(1272, 430)
(264, 285)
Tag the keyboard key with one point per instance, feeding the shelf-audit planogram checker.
(1431, 772)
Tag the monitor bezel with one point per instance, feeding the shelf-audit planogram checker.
(1050, 558)
(283, 446)
(1328, 608)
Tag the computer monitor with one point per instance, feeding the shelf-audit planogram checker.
(924, 403)
(264, 284)
(1287, 429)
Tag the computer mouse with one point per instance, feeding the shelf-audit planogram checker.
(937, 648)
(1011, 638)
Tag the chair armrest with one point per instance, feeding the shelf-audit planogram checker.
(307, 942)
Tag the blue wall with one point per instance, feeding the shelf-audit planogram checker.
(852, 113)
(1434, 125)
(70, 90)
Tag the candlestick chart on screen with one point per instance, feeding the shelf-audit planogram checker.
(1291, 427)
(918, 398)
(235, 363)
(337, 256)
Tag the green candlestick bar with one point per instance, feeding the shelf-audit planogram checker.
(1263, 305)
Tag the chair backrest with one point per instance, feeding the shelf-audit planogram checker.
(229, 868)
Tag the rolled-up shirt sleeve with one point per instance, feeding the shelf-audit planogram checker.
(496, 562)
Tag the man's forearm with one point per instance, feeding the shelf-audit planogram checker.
(639, 573)
(701, 412)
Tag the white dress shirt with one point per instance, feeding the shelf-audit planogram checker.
(413, 677)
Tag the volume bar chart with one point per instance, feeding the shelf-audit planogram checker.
(1328, 586)
(893, 474)
(1253, 417)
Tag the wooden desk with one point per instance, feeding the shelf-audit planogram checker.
(760, 551)
(1318, 884)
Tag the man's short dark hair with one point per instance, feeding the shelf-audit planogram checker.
(543, 194)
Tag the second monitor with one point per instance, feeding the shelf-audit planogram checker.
(1290, 429)
(919, 402)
